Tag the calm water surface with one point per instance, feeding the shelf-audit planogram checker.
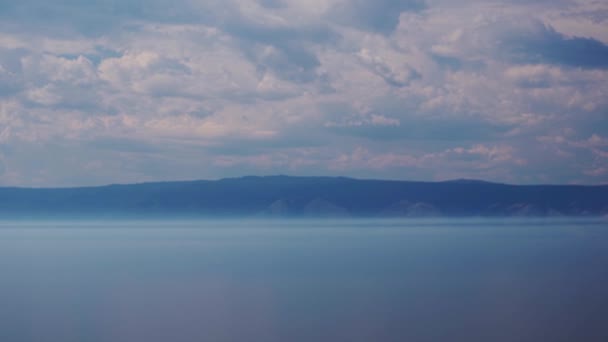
(360, 280)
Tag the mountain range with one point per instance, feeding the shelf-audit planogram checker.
(285, 196)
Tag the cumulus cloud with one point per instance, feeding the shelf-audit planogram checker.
(121, 91)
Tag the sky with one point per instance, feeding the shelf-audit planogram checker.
(124, 91)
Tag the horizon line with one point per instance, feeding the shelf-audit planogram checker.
(456, 180)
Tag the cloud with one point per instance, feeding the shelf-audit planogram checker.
(2, 166)
(535, 75)
(11, 79)
(397, 75)
(122, 91)
(543, 44)
(145, 72)
(373, 120)
(380, 16)
(93, 18)
(124, 145)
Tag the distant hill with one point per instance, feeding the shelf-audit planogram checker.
(283, 196)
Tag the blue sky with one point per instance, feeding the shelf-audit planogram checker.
(97, 92)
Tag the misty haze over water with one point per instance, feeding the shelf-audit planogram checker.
(304, 280)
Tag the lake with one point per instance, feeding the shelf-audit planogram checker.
(304, 280)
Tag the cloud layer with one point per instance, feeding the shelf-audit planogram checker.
(129, 91)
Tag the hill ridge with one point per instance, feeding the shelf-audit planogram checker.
(308, 196)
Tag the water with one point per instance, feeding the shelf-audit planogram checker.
(360, 280)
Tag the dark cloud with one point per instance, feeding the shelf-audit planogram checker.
(392, 78)
(290, 62)
(11, 80)
(284, 50)
(546, 45)
(245, 28)
(380, 16)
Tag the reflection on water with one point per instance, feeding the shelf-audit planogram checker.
(364, 280)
